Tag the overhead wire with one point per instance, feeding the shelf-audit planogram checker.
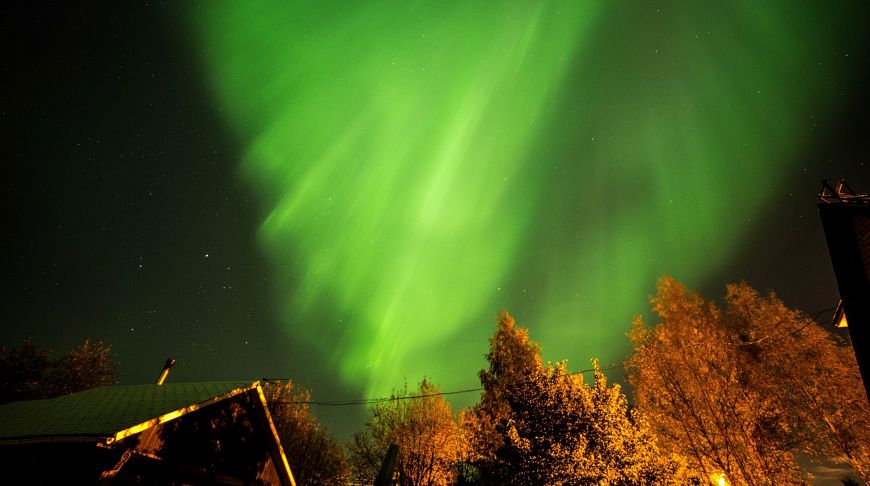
(611, 366)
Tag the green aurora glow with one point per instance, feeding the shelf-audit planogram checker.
(422, 165)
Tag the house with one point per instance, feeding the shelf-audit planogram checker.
(846, 221)
(177, 433)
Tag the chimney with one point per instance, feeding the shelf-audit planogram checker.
(165, 372)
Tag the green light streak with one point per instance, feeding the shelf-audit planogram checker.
(425, 165)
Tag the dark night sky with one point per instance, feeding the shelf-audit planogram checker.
(128, 220)
(122, 179)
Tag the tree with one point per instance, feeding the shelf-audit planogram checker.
(820, 404)
(512, 358)
(739, 392)
(29, 373)
(422, 425)
(91, 364)
(551, 428)
(315, 457)
(563, 431)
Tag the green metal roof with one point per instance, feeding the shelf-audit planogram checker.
(103, 411)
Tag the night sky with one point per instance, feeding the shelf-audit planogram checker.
(347, 195)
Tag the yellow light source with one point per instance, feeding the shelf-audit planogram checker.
(843, 322)
(840, 315)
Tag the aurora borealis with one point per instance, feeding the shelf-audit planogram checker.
(347, 194)
(423, 165)
(399, 167)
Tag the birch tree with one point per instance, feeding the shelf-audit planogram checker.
(421, 423)
(740, 391)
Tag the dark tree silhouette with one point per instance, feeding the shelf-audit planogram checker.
(28, 373)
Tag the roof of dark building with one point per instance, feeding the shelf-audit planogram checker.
(131, 432)
(109, 412)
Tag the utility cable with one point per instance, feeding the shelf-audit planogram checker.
(621, 364)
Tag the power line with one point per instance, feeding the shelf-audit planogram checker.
(764, 338)
(375, 401)
(621, 364)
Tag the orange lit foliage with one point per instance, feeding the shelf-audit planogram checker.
(314, 456)
(740, 391)
(426, 431)
(554, 429)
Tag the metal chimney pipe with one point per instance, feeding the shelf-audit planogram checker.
(163, 374)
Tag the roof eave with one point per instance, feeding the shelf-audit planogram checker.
(178, 413)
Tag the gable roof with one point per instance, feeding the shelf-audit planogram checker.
(109, 413)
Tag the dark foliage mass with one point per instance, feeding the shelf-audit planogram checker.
(28, 373)
(315, 457)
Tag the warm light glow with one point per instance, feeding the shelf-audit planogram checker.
(843, 322)
(719, 479)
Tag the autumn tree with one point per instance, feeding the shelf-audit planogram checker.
(512, 358)
(425, 429)
(28, 373)
(563, 431)
(819, 404)
(315, 457)
(740, 391)
(545, 425)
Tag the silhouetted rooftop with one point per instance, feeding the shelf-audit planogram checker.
(105, 411)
